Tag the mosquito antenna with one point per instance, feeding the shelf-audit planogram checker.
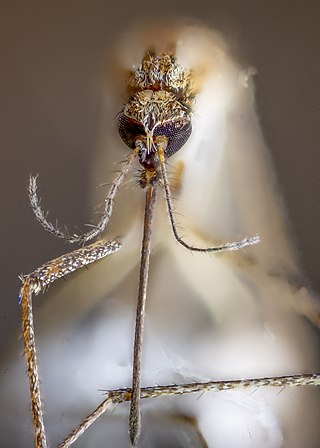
(235, 245)
(97, 229)
(135, 414)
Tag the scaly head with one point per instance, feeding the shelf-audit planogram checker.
(158, 112)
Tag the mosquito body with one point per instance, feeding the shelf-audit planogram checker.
(155, 124)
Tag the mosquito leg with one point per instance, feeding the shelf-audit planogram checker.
(116, 397)
(135, 416)
(32, 366)
(36, 282)
(107, 405)
(236, 245)
(41, 215)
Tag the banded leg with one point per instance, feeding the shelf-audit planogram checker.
(115, 397)
(37, 282)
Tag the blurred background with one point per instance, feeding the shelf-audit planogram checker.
(53, 59)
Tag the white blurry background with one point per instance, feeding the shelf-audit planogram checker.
(54, 57)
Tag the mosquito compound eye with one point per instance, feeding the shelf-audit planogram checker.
(129, 129)
(177, 132)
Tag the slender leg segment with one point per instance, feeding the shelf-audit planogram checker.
(36, 282)
(115, 397)
(135, 416)
(32, 365)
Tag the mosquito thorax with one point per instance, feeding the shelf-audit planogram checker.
(159, 108)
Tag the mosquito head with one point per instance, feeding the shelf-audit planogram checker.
(158, 112)
(152, 114)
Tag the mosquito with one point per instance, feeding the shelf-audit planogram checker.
(155, 124)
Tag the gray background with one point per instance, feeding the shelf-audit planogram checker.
(52, 54)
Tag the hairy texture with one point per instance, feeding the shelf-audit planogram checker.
(38, 281)
(99, 227)
(165, 73)
(118, 396)
(228, 247)
(32, 365)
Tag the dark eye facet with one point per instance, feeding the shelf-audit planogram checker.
(129, 129)
(177, 132)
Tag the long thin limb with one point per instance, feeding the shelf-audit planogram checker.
(235, 245)
(33, 374)
(38, 281)
(96, 229)
(135, 417)
(115, 397)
